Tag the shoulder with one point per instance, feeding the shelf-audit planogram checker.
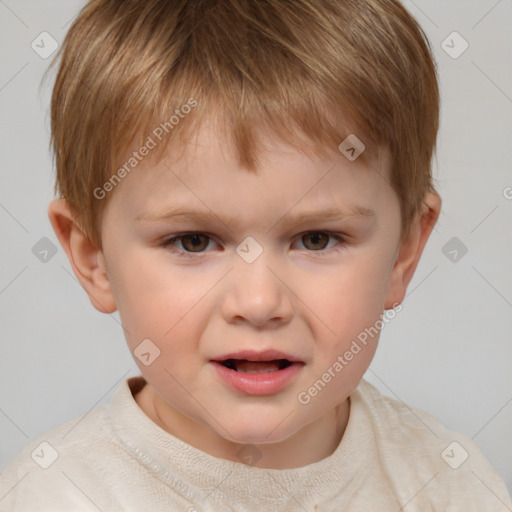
(65, 468)
(423, 457)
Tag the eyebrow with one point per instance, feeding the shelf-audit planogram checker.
(328, 214)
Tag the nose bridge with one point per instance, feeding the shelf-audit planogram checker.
(254, 291)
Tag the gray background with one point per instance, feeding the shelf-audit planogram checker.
(448, 352)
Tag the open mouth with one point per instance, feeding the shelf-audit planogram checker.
(262, 373)
(245, 366)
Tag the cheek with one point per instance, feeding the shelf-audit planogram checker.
(155, 303)
(168, 310)
(349, 299)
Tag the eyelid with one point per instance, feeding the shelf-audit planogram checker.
(168, 242)
(343, 240)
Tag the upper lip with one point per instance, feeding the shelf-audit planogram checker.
(255, 355)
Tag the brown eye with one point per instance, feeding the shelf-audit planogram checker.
(194, 243)
(187, 244)
(315, 241)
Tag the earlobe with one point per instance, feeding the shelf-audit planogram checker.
(411, 249)
(87, 260)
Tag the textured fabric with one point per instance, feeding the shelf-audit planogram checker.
(115, 458)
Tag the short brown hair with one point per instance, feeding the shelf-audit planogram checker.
(317, 67)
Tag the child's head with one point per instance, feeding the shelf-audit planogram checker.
(312, 71)
(237, 111)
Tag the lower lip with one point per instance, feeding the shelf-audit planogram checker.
(258, 384)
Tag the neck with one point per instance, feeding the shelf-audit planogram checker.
(312, 443)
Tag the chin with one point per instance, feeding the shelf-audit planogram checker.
(247, 431)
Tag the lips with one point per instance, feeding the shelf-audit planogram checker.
(246, 366)
(249, 361)
(258, 373)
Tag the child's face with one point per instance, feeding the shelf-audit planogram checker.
(297, 261)
(307, 296)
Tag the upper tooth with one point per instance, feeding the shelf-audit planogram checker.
(257, 371)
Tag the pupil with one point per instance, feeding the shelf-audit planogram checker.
(194, 241)
(316, 239)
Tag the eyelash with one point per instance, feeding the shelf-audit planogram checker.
(170, 243)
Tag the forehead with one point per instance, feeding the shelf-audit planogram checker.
(204, 173)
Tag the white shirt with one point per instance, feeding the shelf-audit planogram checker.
(115, 458)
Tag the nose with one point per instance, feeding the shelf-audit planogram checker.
(256, 293)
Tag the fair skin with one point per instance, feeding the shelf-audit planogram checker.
(304, 295)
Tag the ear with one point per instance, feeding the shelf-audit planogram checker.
(86, 259)
(410, 249)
